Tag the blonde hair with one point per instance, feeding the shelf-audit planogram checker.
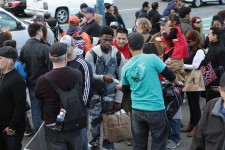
(144, 24)
(98, 19)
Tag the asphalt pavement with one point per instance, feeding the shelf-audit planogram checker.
(127, 9)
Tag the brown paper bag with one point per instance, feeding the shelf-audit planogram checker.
(117, 127)
(194, 81)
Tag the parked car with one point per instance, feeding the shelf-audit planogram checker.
(60, 9)
(197, 3)
(17, 28)
(16, 6)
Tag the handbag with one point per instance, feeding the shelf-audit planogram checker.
(117, 127)
(194, 81)
(208, 73)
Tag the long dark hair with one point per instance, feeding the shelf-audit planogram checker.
(116, 12)
(174, 17)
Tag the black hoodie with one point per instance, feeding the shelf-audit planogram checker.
(154, 17)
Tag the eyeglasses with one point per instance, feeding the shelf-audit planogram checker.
(198, 22)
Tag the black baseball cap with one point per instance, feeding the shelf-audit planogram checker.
(107, 5)
(8, 52)
(58, 49)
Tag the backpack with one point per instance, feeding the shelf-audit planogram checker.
(149, 47)
(118, 57)
(79, 42)
(72, 102)
(172, 99)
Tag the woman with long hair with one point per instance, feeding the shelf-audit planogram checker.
(195, 57)
(119, 19)
(196, 24)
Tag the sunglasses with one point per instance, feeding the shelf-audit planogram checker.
(198, 22)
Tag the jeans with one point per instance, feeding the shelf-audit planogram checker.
(195, 110)
(175, 128)
(69, 140)
(84, 139)
(154, 121)
(100, 105)
(36, 109)
(11, 142)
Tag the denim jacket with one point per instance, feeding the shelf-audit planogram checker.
(101, 68)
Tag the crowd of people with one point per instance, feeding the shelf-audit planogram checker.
(84, 64)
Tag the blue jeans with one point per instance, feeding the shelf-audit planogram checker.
(11, 142)
(84, 139)
(36, 109)
(175, 127)
(154, 121)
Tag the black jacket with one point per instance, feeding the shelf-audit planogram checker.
(109, 18)
(215, 55)
(154, 17)
(80, 16)
(12, 101)
(35, 55)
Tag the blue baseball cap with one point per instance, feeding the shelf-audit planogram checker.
(89, 10)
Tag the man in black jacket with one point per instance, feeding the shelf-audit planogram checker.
(34, 54)
(81, 13)
(215, 55)
(12, 101)
(154, 17)
(53, 24)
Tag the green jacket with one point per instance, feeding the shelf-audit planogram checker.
(185, 25)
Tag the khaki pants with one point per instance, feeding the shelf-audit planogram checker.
(177, 66)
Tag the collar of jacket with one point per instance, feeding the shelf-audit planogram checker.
(216, 111)
(97, 49)
(185, 20)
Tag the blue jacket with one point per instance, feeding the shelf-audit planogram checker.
(21, 69)
(170, 5)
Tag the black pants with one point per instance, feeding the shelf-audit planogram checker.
(195, 110)
(11, 142)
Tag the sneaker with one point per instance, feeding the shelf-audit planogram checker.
(92, 147)
(28, 132)
(129, 142)
(172, 144)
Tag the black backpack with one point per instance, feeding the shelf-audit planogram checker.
(172, 99)
(72, 102)
(149, 47)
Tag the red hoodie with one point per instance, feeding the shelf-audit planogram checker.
(125, 50)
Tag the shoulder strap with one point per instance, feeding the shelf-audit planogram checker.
(52, 83)
(94, 56)
(148, 39)
(118, 58)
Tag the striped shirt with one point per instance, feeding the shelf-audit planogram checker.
(82, 65)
